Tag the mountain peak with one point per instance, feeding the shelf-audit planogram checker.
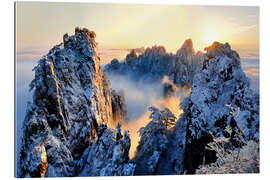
(187, 47)
(219, 49)
(72, 99)
(83, 40)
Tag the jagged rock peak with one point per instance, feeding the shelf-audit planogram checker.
(219, 49)
(71, 99)
(80, 35)
(187, 47)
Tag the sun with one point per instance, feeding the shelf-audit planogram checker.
(209, 39)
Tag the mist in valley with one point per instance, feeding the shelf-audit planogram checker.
(140, 96)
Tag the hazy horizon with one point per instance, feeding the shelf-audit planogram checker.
(120, 27)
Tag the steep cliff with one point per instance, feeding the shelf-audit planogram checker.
(71, 100)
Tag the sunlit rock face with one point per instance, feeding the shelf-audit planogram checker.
(220, 98)
(186, 48)
(71, 99)
(152, 64)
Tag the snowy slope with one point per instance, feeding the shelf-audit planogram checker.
(221, 97)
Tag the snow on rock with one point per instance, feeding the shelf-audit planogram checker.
(71, 99)
(162, 144)
(154, 63)
(219, 91)
(109, 154)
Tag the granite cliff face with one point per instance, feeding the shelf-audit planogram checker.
(71, 100)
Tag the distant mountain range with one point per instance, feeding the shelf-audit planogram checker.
(152, 64)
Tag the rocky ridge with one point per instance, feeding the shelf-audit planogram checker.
(72, 100)
(152, 64)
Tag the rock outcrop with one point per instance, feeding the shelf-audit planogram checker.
(119, 112)
(220, 98)
(72, 99)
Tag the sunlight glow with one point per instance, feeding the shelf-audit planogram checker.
(164, 25)
(209, 39)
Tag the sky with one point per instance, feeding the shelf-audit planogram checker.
(120, 27)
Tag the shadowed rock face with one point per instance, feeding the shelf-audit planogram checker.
(219, 85)
(71, 99)
(119, 113)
